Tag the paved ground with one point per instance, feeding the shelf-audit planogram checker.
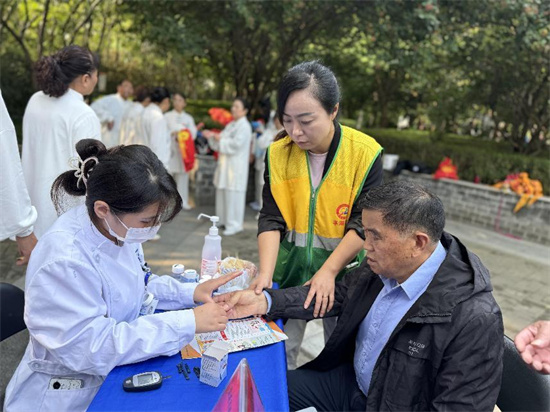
(520, 274)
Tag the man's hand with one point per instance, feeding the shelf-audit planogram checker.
(203, 292)
(25, 245)
(322, 288)
(260, 283)
(533, 343)
(210, 317)
(242, 304)
(110, 125)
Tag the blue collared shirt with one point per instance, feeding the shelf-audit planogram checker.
(392, 303)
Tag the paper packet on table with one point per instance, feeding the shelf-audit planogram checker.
(231, 265)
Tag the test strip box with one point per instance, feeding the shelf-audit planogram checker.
(214, 363)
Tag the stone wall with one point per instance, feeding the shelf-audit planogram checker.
(485, 206)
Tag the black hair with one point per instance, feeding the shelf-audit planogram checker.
(406, 206)
(128, 178)
(159, 94)
(141, 93)
(246, 103)
(55, 73)
(181, 94)
(309, 75)
(122, 81)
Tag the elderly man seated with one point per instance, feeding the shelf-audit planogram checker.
(418, 327)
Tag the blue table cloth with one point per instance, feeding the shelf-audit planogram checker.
(268, 366)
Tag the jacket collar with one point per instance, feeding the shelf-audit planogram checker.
(93, 237)
(74, 94)
(460, 276)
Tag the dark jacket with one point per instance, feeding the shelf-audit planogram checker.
(271, 217)
(446, 352)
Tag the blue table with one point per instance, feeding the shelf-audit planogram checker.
(268, 366)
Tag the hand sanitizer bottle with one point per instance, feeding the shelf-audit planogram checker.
(212, 249)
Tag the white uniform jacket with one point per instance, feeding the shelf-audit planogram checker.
(155, 132)
(110, 108)
(18, 215)
(177, 121)
(51, 128)
(234, 149)
(130, 126)
(82, 300)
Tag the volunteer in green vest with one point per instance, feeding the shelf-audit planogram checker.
(309, 229)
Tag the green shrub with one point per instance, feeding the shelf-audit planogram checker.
(473, 157)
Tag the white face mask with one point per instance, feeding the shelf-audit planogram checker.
(133, 234)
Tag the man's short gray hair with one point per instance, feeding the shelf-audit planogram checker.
(406, 206)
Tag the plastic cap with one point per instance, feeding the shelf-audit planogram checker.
(213, 231)
(178, 268)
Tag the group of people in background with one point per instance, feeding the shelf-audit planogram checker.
(417, 309)
(147, 120)
(57, 117)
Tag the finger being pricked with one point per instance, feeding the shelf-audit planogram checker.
(223, 298)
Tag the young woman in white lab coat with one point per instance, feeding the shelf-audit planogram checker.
(231, 176)
(87, 280)
(177, 120)
(55, 119)
(155, 127)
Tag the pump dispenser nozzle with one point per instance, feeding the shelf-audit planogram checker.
(214, 219)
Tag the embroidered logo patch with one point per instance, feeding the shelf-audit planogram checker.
(342, 211)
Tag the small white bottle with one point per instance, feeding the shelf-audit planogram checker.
(190, 276)
(212, 249)
(177, 272)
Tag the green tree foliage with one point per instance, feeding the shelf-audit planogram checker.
(441, 61)
(248, 45)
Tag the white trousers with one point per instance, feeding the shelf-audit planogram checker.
(182, 181)
(230, 208)
(295, 329)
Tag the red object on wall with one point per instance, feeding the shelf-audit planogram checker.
(446, 169)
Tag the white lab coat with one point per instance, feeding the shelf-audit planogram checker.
(82, 299)
(51, 128)
(155, 132)
(234, 152)
(110, 108)
(130, 126)
(177, 121)
(18, 215)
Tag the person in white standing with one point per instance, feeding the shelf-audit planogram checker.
(130, 125)
(110, 109)
(177, 120)
(18, 215)
(88, 287)
(259, 149)
(55, 119)
(154, 125)
(231, 177)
